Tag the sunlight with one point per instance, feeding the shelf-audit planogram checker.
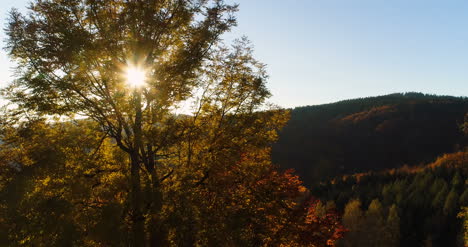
(135, 76)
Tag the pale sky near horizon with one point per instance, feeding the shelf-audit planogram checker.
(322, 51)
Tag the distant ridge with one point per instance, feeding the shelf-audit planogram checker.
(372, 133)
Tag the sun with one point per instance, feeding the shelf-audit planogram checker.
(135, 76)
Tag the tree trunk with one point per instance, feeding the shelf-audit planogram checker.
(138, 227)
(158, 233)
(138, 230)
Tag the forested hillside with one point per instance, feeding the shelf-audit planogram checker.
(402, 207)
(375, 133)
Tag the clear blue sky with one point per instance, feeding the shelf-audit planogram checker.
(321, 51)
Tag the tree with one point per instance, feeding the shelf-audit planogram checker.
(464, 197)
(353, 221)
(320, 209)
(375, 225)
(61, 194)
(457, 181)
(451, 203)
(393, 227)
(72, 57)
(464, 125)
(181, 174)
(464, 216)
(440, 198)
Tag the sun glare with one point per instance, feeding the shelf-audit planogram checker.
(135, 76)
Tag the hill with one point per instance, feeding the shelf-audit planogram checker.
(426, 198)
(375, 133)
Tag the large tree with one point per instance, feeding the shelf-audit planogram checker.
(199, 178)
(73, 58)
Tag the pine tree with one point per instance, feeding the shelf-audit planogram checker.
(375, 233)
(464, 216)
(393, 227)
(439, 199)
(451, 203)
(353, 221)
(464, 198)
(457, 181)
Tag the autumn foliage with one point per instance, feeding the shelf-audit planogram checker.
(74, 191)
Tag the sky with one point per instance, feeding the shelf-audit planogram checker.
(322, 51)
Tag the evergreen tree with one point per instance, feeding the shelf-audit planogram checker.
(464, 126)
(375, 233)
(464, 216)
(457, 181)
(436, 186)
(439, 199)
(451, 203)
(420, 203)
(464, 198)
(353, 221)
(393, 227)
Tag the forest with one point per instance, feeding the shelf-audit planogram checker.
(393, 166)
(374, 133)
(71, 189)
(135, 123)
(408, 206)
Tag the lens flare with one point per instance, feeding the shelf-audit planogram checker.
(136, 77)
